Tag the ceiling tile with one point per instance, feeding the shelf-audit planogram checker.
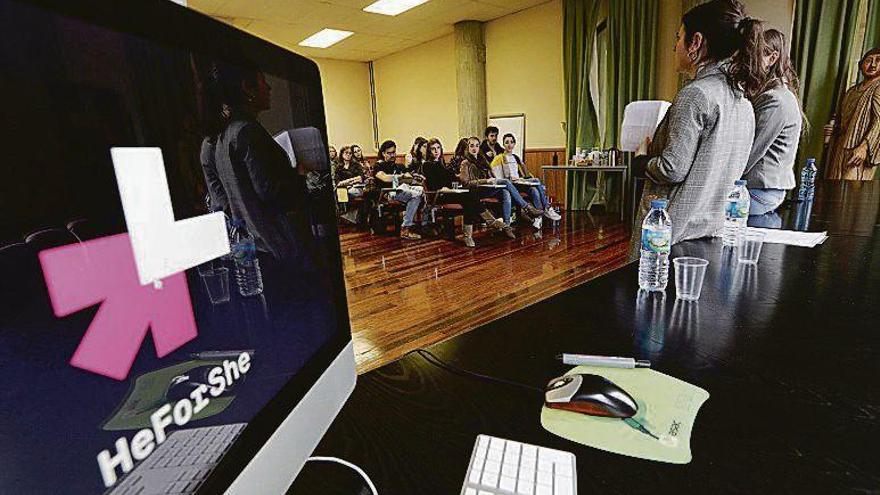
(287, 22)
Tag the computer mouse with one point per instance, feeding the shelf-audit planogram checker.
(589, 394)
(181, 386)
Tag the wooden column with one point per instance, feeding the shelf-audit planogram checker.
(470, 78)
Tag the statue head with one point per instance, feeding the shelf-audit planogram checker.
(870, 64)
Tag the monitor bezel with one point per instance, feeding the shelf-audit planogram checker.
(189, 30)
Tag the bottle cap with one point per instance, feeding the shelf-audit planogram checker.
(740, 182)
(659, 203)
(811, 160)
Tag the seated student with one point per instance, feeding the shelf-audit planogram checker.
(459, 156)
(410, 158)
(349, 175)
(438, 176)
(358, 156)
(334, 160)
(508, 165)
(408, 194)
(490, 148)
(475, 173)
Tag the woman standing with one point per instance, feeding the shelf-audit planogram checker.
(703, 144)
(248, 174)
(778, 122)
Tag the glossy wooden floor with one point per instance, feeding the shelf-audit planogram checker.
(407, 295)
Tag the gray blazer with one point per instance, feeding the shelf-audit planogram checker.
(250, 177)
(700, 148)
(778, 124)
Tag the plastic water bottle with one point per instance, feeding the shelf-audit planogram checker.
(736, 215)
(656, 241)
(808, 181)
(247, 266)
(395, 181)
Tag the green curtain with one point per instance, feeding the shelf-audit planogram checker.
(821, 47)
(632, 60)
(631, 75)
(580, 18)
(872, 33)
(628, 73)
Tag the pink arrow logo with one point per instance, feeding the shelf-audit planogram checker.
(104, 271)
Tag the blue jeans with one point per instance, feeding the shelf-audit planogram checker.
(765, 200)
(539, 197)
(504, 196)
(514, 192)
(412, 196)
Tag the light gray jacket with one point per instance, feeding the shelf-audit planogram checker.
(700, 148)
(778, 124)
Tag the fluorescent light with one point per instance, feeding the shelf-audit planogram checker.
(325, 38)
(392, 7)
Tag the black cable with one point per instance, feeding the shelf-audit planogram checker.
(431, 358)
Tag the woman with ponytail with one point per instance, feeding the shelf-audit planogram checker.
(778, 123)
(702, 145)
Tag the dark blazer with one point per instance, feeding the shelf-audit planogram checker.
(250, 177)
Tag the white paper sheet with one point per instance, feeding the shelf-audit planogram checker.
(640, 120)
(791, 237)
(283, 139)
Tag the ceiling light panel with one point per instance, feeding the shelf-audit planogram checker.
(392, 7)
(325, 38)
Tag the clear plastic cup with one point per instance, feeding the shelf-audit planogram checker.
(217, 284)
(689, 275)
(749, 248)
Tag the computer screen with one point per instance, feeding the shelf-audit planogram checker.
(170, 285)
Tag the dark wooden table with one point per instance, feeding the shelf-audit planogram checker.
(788, 351)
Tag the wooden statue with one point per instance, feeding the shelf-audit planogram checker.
(854, 133)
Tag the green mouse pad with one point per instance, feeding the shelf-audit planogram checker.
(667, 409)
(148, 394)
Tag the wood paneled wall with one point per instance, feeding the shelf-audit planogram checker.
(556, 181)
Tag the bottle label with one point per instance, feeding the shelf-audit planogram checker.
(657, 241)
(244, 251)
(738, 209)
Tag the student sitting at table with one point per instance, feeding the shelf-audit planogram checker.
(358, 156)
(476, 176)
(408, 194)
(417, 149)
(439, 179)
(509, 166)
(350, 176)
(490, 148)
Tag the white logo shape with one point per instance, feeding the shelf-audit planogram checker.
(162, 245)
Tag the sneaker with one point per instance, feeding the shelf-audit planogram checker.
(538, 223)
(408, 235)
(552, 214)
(532, 212)
(508, 231)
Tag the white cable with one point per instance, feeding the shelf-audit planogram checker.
(346, 463)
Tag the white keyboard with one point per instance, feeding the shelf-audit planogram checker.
(500, 466)
(181, 463)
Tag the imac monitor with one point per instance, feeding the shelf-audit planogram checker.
(173, 315)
